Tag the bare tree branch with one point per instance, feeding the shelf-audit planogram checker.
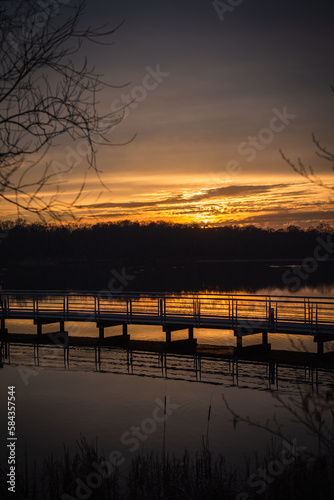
(45, 95)
(308, 172)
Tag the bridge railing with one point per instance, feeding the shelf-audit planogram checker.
(199, 308)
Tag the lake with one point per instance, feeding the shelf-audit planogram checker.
(56, 406)
(121, 409)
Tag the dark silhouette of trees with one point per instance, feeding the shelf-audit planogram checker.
(156, 242)
(160, 256)
(46, 95)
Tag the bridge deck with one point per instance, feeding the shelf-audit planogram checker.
(245, 314)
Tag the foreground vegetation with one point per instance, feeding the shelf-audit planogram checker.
(288, 471)
(199, 477)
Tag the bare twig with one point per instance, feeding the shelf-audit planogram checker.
(45, 94)
(308, 172)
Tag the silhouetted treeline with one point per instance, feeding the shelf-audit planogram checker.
(133, 243)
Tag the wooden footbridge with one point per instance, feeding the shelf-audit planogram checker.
(244, 314)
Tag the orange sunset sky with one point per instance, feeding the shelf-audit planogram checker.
(212, 101)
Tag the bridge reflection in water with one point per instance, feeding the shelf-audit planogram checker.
(244, 314)
(228, 371)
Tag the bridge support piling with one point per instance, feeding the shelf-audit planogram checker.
(320, 340)
(3, 328)
(265, 338)
(168, 335)
(39, 329)
(168, 329)
(239, 341)
(102, 325)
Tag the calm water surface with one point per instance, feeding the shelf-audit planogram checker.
(57, 406)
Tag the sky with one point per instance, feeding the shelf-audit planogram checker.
(211, 92)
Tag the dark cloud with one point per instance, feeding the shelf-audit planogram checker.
(222, 192)
(302, 217)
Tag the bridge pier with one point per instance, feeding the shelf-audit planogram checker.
(240, 332)
(320, 340)
(168, 335)
(3, 329)
(101, 325)
(239, 341)
(101, 332)
(320, 348)
(174, 328)
(40, 322)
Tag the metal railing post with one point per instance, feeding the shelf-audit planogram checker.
(231, 311)
(161, 313)
(199, 311)
(98, 307)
